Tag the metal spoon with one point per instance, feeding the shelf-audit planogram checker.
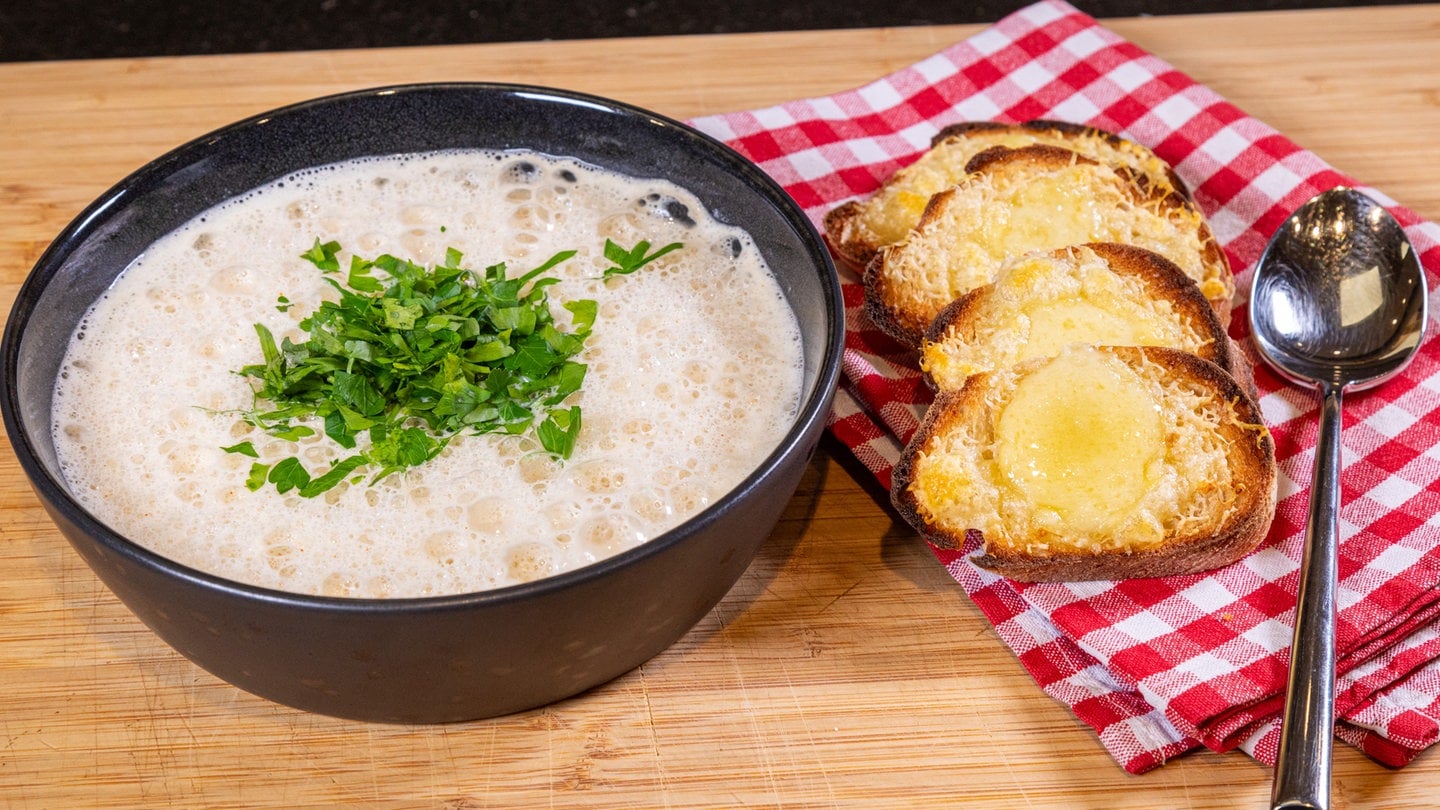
(1337, 302)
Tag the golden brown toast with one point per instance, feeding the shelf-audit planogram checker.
(1098, 463)
(859, 228)
(1101, 293)
(1016, 201)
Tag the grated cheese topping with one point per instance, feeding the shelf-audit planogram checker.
(958, 483)
(1022, 206)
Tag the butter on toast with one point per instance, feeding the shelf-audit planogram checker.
(859, 228)
(1016, 201)
(1100, 293)
(1098, 463)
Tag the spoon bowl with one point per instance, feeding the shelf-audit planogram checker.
(1338, 297)
(1337, 302)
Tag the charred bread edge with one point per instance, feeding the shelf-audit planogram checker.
(1068, 129)
(1115, 140)
(837, 221)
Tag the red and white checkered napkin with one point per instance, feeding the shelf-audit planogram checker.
(1157, 666)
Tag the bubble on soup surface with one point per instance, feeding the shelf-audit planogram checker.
(182, 460)
(663, 206)
(278, 558)
(190, 492)
(651, 505)
(520, 245)
(380, 587)
(520, 172)
(535, 469)
(599, 475)
(690, 496)
(697, 371)
(669, 475)
(444, 547)
(730, 247)
(234, 279)
(506, 447)
(420, 246)
(370, 243)
(339, 584)
(527, 562)
(315, 455)
(422, 215)
(622, 228)
(651, 324)
(163, 298)
(489, 515)
(611, 533)
(557, 199)
(532, 217)
(562, 515)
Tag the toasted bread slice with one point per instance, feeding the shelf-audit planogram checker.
(1100, 293)
(859, 228)
(1098, 463)
(1016, 201)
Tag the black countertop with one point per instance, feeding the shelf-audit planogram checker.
(33, 30)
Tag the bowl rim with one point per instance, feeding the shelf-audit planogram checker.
(55, 494)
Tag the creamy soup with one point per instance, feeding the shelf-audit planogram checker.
(694, 375)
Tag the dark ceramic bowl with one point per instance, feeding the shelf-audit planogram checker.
(443, 658)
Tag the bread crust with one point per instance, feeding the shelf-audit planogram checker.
(897, 304)
(1220, 542)
(962, 318)
(1162, 174)
(855, 247)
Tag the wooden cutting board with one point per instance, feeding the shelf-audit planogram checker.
(845, 668)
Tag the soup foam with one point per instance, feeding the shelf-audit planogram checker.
(694, 376)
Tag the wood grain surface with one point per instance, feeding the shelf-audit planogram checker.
(845, 669)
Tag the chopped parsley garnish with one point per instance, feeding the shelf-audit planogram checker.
(409, 357)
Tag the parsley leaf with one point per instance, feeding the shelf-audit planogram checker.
(258, 473)
(288, 474)
(557, 433)
(628, 261)
(243, 448)
(323, 256)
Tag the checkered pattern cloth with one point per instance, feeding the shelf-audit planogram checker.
(1157, 666)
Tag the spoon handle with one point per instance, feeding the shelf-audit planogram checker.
(1302, 770)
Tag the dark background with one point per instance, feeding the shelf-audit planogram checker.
(73, 29)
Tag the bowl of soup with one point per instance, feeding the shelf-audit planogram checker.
(426, 403)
